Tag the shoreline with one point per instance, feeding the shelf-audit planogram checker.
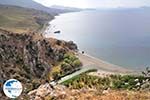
(103, 66)
(45, 26)
(89, 60)
(48, 23)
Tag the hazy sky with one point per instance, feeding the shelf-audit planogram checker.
(96, 3)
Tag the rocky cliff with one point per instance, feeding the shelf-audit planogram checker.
(59, 92)
(30, 57)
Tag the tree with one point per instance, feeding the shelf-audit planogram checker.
(56, 75)
(65, 67)
(146, 73)
(76, 63)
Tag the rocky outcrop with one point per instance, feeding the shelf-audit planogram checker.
(41, 92)
(72, 45)
(59, 92)
(29, 57)
(46, 90)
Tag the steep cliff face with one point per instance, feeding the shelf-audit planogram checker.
(29, 57)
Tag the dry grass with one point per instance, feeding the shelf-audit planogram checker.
(111, 95)
(18, 19)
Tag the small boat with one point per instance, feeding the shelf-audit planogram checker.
(57, 32)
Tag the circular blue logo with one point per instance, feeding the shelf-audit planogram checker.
(12, 88)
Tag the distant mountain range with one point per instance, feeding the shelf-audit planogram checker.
(38, 6)
(146, 8)
(69, 9)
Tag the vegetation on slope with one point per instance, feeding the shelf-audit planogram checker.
(69, 65)
(87, 94)
(18, 19)
(128, 82)
(34, 5)
(30, 58)
(60, 92)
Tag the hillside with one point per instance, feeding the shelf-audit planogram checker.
(68, 9)
(31, 58)
(63, 93)
(18, 19)
(32, 4)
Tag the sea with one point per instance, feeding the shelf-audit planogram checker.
(120, 36)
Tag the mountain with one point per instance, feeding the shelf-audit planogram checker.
(69, 9)
(19, 19)
(143, 8)
(31, 4)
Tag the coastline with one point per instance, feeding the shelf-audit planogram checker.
(45, 26)
(89, 60)
(48, 24)
(102, 65)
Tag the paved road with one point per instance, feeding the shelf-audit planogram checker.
(84, 69)
(90, 63)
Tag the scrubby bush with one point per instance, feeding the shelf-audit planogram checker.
(76, 63)
(65, 67)
(146, 73)
(114, 81)
(36, 83)
(70, 56)
(56, 75)
(69, 64)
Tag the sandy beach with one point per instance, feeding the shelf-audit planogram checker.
(103, 67)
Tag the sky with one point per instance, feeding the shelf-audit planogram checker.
(96, 3)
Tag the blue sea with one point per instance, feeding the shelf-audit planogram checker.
(121, 37)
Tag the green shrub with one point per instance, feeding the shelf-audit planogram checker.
(66, 60)
(65, 67)
(56, 75)
(76, 63)
(66, 56)
(114, 82)
(70, 64)
(70, 56)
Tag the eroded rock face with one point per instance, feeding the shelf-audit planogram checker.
(47, 91)
(59, 92)
(29, 59)
(41, 92)
(20, 56)
(72, 45)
